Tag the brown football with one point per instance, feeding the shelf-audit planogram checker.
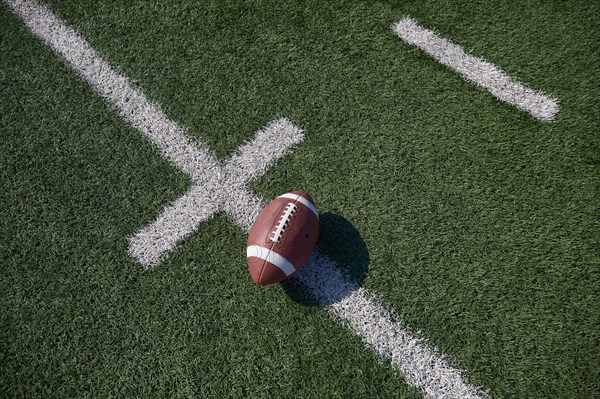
(282, 237)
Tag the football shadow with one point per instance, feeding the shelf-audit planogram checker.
(340, 242)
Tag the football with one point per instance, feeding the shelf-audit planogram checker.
(282, 237)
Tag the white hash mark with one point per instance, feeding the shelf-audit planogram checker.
(477, 70)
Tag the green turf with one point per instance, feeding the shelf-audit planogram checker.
(481, 224)
(81, 319)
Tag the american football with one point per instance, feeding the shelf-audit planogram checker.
(282, 238)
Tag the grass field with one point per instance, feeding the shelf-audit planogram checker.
(476, 223)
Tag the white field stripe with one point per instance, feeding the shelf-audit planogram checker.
(151, 244)
(253, 159)
(383, 331)
(477, 70)
(243, 207)
(303, 200)
(419, 363)
(176, 222)
(273, 257)
(143, 114)
(224, 188)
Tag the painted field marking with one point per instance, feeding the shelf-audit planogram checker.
(383, 330)
(214, 185)
(227, 191)
(224, 187)
(477, 70)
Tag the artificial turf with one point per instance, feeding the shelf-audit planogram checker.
(475, 222)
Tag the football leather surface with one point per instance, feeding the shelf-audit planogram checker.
(282, 237)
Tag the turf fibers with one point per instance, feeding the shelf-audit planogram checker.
(477, 223)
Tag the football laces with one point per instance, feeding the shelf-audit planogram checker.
(283, 223)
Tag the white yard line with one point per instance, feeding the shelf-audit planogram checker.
(143, 114)
(224, 188)
(225, 191)
(213, 181)
(477, 70)
(383, 331)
